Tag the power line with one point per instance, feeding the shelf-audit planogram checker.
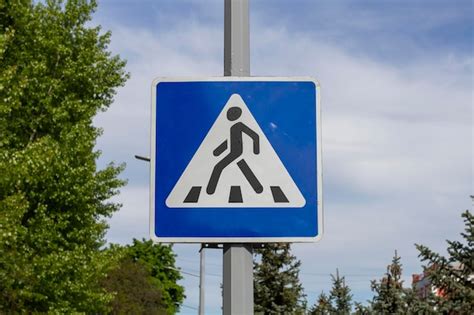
(191, 307)
(189, 273)
(344, 275)
(194, 273)
(197, 275)
(197, 272)
(196, 262)
(301, 273)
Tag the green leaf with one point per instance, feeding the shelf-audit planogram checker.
(56, 74)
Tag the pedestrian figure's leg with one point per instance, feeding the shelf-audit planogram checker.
(217, 171)
(250, 176)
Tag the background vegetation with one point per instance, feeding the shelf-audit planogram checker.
(56, 74)
(278, 290)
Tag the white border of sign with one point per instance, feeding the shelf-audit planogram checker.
(222, 240)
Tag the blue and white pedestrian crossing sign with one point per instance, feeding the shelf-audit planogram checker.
(236, 159)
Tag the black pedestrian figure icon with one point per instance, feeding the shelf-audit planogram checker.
(236, 150)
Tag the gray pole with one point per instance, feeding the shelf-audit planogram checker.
(201, 281)
(238, 260)
(236, 38)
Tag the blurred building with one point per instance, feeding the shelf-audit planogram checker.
(422, 284)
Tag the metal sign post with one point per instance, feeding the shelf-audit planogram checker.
(209, 186)
(238, 258)
(202, 273)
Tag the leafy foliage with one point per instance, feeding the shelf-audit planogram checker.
(453, 276)
(277, 289)
(55, 75)
(159, 260)
(133, 291)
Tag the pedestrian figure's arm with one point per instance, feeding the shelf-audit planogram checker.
(256, 140)
(221, 148)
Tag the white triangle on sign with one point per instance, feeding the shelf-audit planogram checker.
(256, 179)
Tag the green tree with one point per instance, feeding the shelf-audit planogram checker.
(340, 295)
(277, 289)
(389, 295)
(418, 303)
(55, 75)
(361, 309)
(339, 300)
(322, 306)
(133, 291)
(453, 276)
(159, 260)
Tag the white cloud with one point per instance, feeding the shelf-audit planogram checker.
(397, 144)
(132, 220)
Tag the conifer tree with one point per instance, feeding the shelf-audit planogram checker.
(361, 309)
(322, 306)
(340, 295)
(56, 73)
(420, 303)
(453, 276)
(277, 289)
(389, 293)
(339, 300)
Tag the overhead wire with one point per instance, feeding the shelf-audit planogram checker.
(190, 307)
(313, 274)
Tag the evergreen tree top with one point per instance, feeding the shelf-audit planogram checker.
(277, 288)
(453, 276)
(389, 292)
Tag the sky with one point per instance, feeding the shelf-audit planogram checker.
(397, 102)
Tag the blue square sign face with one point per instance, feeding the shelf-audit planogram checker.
(236, 160)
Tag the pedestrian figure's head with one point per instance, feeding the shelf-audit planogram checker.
(234, 113)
